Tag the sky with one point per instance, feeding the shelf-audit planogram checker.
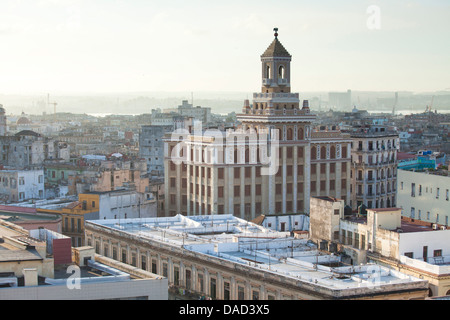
(108, 46)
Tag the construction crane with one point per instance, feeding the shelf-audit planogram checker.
(428, 108)
(51, 103)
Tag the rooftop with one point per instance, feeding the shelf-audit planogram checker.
(232, 240)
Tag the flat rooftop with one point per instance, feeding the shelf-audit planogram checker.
(231, 239)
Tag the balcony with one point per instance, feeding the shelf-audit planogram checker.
(282, 82)
(266, 81)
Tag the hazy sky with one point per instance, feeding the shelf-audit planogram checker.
(71, 46)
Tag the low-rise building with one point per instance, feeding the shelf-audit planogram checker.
(425, 195)
(385, 237)
(21, 185)
(38, 265)
(119, 204)
(228, 258)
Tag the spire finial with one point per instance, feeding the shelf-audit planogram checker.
(276, 32)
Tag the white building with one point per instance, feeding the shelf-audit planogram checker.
(21, 185)
(424, 196)
(27, 271)
(284, 222)
(126, 204)
(225, 257)
(384, 236)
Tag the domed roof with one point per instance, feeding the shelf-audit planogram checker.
(23, 120)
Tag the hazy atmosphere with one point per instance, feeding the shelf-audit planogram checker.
(108, 55)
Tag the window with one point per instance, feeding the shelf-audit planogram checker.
(226, 291)
(437, 253)
(413, 189)
(409, 255)
(237, 191)
(437, 193)
(237, 173)
(336, 212)
(241, 293)
(143, 262)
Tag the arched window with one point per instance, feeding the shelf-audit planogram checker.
(332, 152)
(281, 72)
(289, 134)
(323, 152)
(300, 134)
(313, 153)
(268, 72)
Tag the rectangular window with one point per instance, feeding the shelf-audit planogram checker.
(237, 173)
(241, 293)
(237, 191)
(258, 189)
(437, 253)
(143, 262)
(165, 273)
(226, 291)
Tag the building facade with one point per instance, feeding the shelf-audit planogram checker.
(385, 237)
(151, 147)
(270, 164)
(3, 125)
(21, 185)
(424, 196)
(227, 258)
(374, 167)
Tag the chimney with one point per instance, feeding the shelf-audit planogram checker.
(30, 277)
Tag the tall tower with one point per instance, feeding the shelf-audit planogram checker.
(2, 121)
(276, 68)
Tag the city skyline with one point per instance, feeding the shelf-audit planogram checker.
(76, 46)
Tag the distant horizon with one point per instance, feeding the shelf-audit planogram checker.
(72, 47)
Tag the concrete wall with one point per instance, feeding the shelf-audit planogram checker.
(426, 200)
(147, 289)
(434, 240)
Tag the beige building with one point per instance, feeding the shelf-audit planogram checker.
(385, 237)
(29, 271)
(230, 172)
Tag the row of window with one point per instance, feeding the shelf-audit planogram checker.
(176, 277)
(438, 191)
(428, 216)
